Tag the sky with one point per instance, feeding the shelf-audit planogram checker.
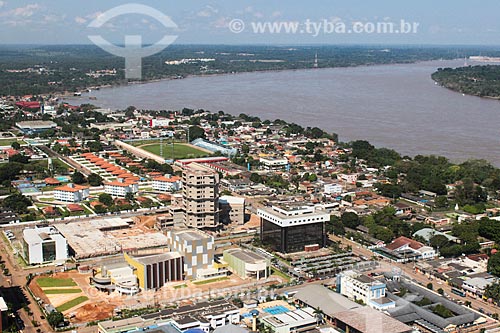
(441, 22)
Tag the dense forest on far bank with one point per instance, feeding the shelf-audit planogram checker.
(482, 81)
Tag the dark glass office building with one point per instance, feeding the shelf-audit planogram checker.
(288, 232)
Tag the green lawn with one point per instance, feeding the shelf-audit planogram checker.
(181, 150)
(62, 291)
(8, 141)
(55, 282)
(72, 303)
(211, 280)
(274, 271)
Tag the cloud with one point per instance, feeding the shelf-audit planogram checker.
(208, 11)
(80, 20)
(276, 13)
(2, 3)
(87, 18)
(26, 11)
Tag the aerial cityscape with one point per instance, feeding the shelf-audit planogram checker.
(230, 167)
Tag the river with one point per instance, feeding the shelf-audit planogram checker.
(394, 106)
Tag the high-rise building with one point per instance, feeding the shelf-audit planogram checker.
(290, 227)
(200, 192)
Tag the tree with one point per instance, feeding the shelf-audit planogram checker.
(19, 158)
(77, 177)
(196, 132)
(15, 145)
(350, 220)
(430, 286)
(256, 178)
(55, 318)
(129, 196)
(100, 209)
(94, 146)
(440, 291)
(106, 199)
(94, 179)
(17, 203)
(494, 264)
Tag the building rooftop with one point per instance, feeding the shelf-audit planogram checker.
(328, 301)
(190, 235)
(246, 255)
(38, 235)
(155, 258)
(229, 199)
(368, 320)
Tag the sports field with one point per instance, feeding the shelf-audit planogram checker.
(181, 150)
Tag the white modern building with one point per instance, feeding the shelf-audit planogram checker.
(247, 264)
(167, 183)
(360, 287)
(333, 188)
(43, 245)
(159, 122)
(273, 163)
(120, 187)
(71, 193)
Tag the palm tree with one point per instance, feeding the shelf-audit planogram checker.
(319, 316)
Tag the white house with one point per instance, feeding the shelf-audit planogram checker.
(167, 183)
(120, 187)
(333, 188)
(71, 193)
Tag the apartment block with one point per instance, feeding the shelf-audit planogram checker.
(200, 191)
(71, 193)
(120, 187)
(167, 183)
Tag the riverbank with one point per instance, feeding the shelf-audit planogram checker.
(395, 106)
(68, 94)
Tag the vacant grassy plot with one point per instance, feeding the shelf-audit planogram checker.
(276, 272)
(62, 291)
(47, 282)
(181, 151)
(8, 142)
(72, 303)
(211, 280)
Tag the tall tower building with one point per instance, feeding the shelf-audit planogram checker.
(200, 191)
(316, 60)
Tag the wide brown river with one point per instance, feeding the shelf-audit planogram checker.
(394, 106)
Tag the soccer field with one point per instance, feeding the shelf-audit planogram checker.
(181, 151)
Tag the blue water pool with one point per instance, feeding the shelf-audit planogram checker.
(276, 310)
(62, 179)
